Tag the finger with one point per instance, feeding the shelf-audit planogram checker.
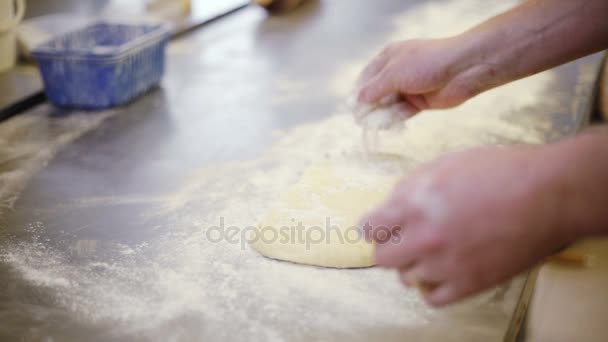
(392, 216)
(402, 111)
(408, 247)
(373, 68)
(399, 113)
(389, 217)
(361, 110)
(390, 100)
(380, 224)
(377, 88)
(423, 276)
(404, 276)
(458, 288)
(442, 295)
(401, 250)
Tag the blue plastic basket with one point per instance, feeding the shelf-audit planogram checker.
(102, 65)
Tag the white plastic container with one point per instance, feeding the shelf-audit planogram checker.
(11, 13)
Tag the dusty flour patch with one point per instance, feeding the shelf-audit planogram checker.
(188, 285)
(223, 286)
(28, 142)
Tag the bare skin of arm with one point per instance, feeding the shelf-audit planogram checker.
(471, 220)
(442, 73)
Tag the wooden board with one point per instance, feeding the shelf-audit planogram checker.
(571, 303)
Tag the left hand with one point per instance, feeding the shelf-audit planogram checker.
(471, 220)
(420, 75)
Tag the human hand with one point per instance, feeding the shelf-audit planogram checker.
(471, 220)
(420, 75)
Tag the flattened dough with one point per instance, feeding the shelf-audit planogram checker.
(334, 192)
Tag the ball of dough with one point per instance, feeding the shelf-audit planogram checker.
(316, 220)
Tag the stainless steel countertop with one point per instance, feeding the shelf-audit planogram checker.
(222, 75)
(22, 88)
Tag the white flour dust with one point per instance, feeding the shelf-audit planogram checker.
(28, 142)
(183, 284)
(186, 285)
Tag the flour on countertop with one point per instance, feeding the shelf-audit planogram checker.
(183, 286)
(183, 277)
(28, 142)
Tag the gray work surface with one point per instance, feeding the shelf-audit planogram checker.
(82, 271)
(22, 85)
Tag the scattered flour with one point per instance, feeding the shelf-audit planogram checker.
(28, 142)
(184, 285)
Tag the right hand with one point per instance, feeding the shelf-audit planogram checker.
(422, 74)
(473, 219)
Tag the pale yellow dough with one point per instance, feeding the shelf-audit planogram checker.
(339, 192)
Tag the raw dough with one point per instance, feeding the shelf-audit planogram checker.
(341, 194)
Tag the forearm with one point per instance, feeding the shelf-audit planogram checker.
(533, 37)
(579, 167)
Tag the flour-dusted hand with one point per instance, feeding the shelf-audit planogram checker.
(472, 220)
(443, 73)
(418, 74)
